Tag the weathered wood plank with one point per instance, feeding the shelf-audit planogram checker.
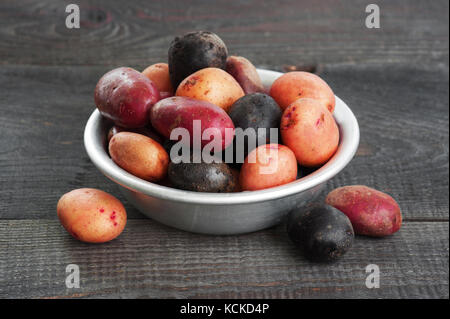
(151, 260)
(291, 32)
(402, 111)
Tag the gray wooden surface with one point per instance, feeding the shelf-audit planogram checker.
(395, 79)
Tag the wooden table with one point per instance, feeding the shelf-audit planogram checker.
(394, 78)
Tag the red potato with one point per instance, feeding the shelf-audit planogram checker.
(371, 212)
(140, 130)
(139, 155)
(181, 112)
(244, 72)
(125, 96)
(91, 215)
(159, 74)
(310, 131)
(292, 86)
(268, 166)
(212, 85)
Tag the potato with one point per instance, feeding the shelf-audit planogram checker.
(202, 177)
(244, 72)
(91, 215)
(174, 112)
(268, 166)
(140, 130)
(195, 51)
(212, 85)
(372, 213)
(125, 96)
(256, 111)
(292, 86)
(159, 74)
(139, 155)
(310, 131)
(322, 232)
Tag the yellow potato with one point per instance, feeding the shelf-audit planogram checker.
(139, 155)
(292, 86)
(213, 85)
(159, 74)
(91, 215)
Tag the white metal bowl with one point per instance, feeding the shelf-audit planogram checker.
(222, 213)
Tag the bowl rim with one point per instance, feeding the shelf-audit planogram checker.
(348, 144)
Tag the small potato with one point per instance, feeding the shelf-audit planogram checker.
(310, 131)
(322, 232)
(245, 74)
(183, 112)
(202, 177)
(372, 213)
(195, 51)
(212, 85)
(91, 215)
(268, 166)
(159, 74)
(256, 111)
(139, 155)
(125, 96)
(292, 86)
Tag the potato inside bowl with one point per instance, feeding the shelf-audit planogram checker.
(222, 213)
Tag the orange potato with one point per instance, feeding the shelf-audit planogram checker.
(310, 131)
(212, 85)
(159, 74)
(372, 213)
(292, 86)
(91, 215)
(268, 166)
(139, 155)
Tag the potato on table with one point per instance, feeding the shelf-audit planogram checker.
(91, 215)
(372, 213)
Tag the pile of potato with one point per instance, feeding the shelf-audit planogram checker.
(202, 84)
(223, 93)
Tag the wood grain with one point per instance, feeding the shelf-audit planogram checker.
(403, 115)
(291, 32)
(150, 260)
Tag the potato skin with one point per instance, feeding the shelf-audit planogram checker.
(159, 74)
(139, 155)
(91, 215)
(125, 96)
(292, 86)
(372, 213)
(322, 232)
(212, 85)
(268, 166)
(202, 177)
(310, 131)
(244, 72)
(195, 51)
(179, 111)
(256, 111)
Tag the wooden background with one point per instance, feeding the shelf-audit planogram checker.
(394, 78)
